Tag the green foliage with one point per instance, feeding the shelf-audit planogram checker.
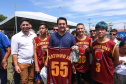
(2, 17)
(110, 23)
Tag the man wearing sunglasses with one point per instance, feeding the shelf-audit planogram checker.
(93, 34)
(55, 28)
(113, 35)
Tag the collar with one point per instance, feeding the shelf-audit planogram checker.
(62, 35)
(22, 34)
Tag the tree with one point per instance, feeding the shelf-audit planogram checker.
(2, 17)
(110, 23)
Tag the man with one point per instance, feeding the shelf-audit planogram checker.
(83, 65)
(16, 76)
(55, 28)
(94, 38)
(40, 44)
(5, 52)
(113, 36)
(105, 57)
(93, 34)
(61, 39)
(22, 52)
(68, 29)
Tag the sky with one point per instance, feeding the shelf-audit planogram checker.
(78, 11)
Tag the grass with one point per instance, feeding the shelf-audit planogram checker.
(9, 70)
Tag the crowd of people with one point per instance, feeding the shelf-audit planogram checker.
(102, 60)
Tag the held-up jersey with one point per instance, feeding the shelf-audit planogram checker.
(59, 68)
(84, 60)
(102, 69)
(41, 55)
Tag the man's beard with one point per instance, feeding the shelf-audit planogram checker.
(25, 29)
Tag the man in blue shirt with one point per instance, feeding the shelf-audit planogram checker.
(5, 50)
(62, 38)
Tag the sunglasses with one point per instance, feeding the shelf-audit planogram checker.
(92, 31)
(55, 29)
(112, 34)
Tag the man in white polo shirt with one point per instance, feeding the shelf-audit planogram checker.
(22, 52)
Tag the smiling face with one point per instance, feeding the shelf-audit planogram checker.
(25, 26)
(93, 32)
(62, 25)
(112, 35)
(55, 29)
(80, 30)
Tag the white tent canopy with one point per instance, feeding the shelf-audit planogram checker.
(35, 19)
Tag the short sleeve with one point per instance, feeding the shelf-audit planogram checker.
(5, 41)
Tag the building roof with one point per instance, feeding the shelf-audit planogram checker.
(35, 18)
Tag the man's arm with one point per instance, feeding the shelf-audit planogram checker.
(14, 59)
(14, 53)
(35, 58)
(4, 60)
(6, 44)
(116, 56)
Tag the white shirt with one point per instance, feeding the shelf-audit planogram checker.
(121, 69)
(22, 45)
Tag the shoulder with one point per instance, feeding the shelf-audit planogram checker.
(89, 38)
(53, 35)
(2, 35)
(17, 35)
(94, 42)
(35, 38)
(111, 42)
(69, 35)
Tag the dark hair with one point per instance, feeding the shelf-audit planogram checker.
(114, 30)
(101, 25)
(43, 23)
(61, 18)
(24, 19)
(74, 32)
(122, 43)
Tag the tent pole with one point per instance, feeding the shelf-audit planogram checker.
(16, 23)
